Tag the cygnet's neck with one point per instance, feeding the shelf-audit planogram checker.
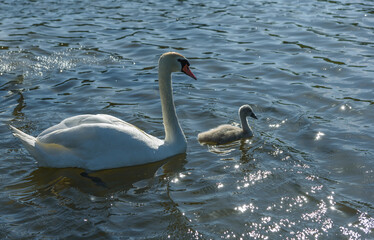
(246, 128)
(173, 131)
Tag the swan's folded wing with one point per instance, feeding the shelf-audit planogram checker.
(88, 140)
(85, 119)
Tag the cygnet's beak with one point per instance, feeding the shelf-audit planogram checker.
(188, 72)
(254, 116)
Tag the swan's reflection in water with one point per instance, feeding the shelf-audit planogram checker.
(52, 181)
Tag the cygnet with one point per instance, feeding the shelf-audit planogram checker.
(227, 133)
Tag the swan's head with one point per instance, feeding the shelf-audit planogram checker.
(176, 63)
(247, 111)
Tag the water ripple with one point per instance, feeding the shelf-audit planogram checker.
(306, 68)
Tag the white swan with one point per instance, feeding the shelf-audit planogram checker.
(96, 142)
(228, 133)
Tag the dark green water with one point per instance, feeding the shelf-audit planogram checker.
(306, 67)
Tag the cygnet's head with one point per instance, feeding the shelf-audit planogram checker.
(176, 63)
(246, 110)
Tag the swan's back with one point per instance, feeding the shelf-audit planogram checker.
(222, 134)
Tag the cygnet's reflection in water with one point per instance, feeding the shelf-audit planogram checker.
(246, 146)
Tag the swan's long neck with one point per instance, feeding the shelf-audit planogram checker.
(173, 131)
(244, 122)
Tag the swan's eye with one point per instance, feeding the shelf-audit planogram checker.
(185, 68)
(183, 62)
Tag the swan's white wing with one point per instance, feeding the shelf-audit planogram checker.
(97, 141)
(85, 119)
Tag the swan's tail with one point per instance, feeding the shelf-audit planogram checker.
(47, 154)
(27, 140)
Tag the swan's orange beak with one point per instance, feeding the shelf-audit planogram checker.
(187, 71)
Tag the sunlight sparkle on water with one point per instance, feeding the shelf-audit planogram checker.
(243, 208)
(366, 222)
(277, 125)
(345, 107)
(252, 178)
(319, 136)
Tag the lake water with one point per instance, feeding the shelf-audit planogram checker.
(306, 67)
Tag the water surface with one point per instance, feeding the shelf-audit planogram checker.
(306, 68)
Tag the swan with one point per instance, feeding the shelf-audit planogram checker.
(228, 133)
(96, 142)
